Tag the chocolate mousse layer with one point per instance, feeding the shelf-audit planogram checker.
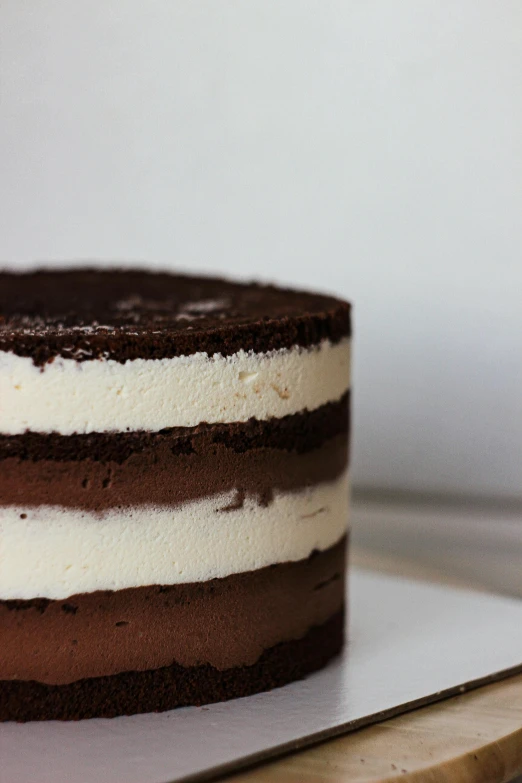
(225, 623)
(157, 690)
(125, 314)
(102, 471)
(161, 478)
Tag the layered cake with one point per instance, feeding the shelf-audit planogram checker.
(173, 490)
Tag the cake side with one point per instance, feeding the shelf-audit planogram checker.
(184, 514)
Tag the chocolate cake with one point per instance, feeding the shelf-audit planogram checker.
(173, 490)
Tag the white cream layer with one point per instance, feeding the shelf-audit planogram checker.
(56, 552)
(100, 395)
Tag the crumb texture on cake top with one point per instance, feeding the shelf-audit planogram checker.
(128, 314)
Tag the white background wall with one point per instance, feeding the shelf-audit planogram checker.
(369, 147)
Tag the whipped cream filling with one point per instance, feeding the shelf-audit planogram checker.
(67, 396)
(55, 552)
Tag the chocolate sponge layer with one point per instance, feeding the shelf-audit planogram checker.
(129, 314)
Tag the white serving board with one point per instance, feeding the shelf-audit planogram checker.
(411, 642)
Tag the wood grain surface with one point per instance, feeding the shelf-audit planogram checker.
(472, 738)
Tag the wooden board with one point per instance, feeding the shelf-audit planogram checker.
(472, 738)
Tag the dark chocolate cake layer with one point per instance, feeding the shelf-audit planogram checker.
(121, 315)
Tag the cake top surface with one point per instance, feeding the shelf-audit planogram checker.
(127, 314)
